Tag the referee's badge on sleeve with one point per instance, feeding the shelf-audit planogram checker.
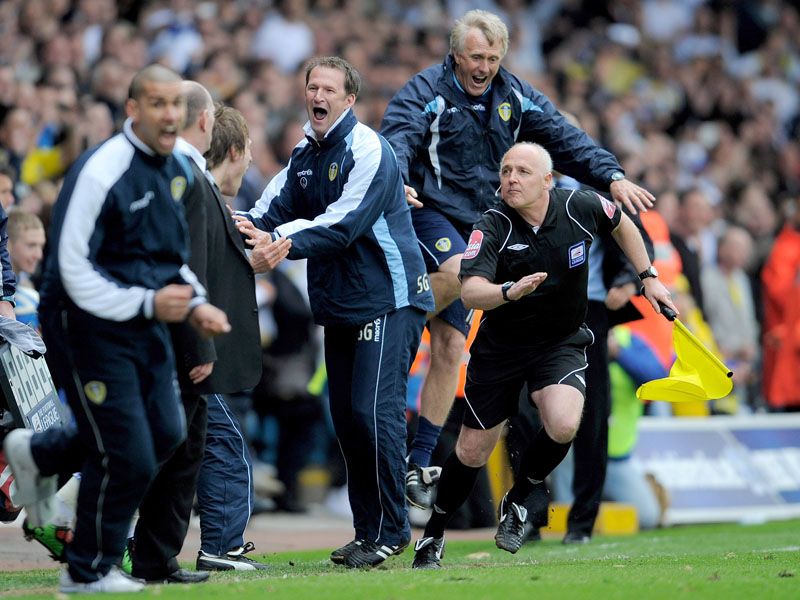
(474, 244)
(577, 254)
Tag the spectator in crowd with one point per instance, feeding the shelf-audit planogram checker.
(781, 280)
(449, 126)
(115, 298)
(25, 249)
(730, 311)
(17, 133)
(340, 203)
(694, 216)
(7, 177)
(284, 37)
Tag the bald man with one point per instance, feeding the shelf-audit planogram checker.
(526, 267)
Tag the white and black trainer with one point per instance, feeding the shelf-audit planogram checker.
(428, 553)
(338, 555)
(232, 560)
(511, 529)
(370, 554)
(421, 485)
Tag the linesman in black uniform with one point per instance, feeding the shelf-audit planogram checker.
(526, 266)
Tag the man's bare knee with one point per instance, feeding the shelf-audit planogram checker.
(447, 345)
(563, 430)
(560, 408)
(475, 446)
(472, 456)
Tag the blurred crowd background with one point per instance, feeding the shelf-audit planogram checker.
(699, 100)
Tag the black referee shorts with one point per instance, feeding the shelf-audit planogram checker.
(494, 384)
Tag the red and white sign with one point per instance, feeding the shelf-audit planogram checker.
(474, 244)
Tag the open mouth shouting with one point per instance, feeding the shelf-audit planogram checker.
(479, 81)
(167, 136)
(320, 114)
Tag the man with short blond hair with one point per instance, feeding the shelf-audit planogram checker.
(450, 125)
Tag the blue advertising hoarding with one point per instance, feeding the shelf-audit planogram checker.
(724, 468)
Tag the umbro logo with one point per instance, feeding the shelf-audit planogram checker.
(518, 247)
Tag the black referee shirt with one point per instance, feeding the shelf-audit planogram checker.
(503, 247)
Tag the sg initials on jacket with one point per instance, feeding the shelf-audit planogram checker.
(371, 332)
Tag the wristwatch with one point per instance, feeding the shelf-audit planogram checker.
(648, 272)
(504, 289)
(617, 176)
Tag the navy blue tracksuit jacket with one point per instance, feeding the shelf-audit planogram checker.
(341, 201)
(118, 236)
(450, 153)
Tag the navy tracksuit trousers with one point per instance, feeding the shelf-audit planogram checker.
(120, 382)
(225, 485)
(367, 379)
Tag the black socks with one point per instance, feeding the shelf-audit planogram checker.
(455, 486)
(542, 456)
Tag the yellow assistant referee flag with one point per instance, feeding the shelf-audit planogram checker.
(696, 375)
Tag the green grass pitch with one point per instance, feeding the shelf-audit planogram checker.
(712, 561)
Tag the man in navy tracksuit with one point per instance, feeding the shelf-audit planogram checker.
(116, 272)
(340, 203)
(450, 125)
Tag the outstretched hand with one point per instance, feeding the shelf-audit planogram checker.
(633, 196)
(246, 228)
(525, 285)
(267, 253)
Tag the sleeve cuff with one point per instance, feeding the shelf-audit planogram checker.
(197, 301)
(148, 304)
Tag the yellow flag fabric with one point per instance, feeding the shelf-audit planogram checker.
(696, 375)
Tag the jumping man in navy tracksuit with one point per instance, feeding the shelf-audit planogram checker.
(450, 125)
(340, 202)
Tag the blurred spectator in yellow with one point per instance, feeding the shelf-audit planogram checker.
(730, 311)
